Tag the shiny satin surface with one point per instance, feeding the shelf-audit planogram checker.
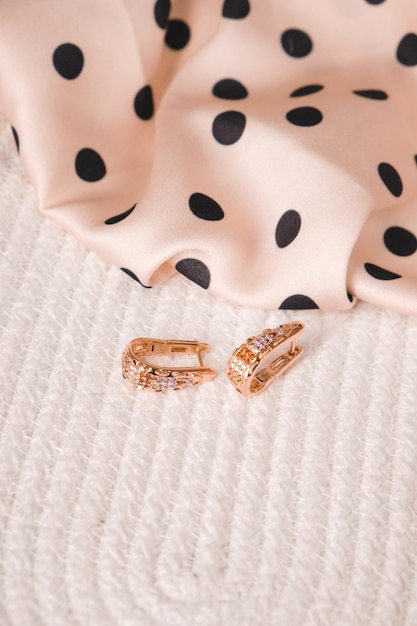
(266, 150)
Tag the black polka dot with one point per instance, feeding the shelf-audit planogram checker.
(372, 94)
(374, 1)
(400, 241)
(143, 103)
(16, 138)
(304, 116)
(298, 301)
(379, 272)
(296, 43)
(89, 165)
(230, 89)
(288, 228)
(205, 207)
(68, 60)
(132, 275)
(228, 127)
(120, 217)
(306, 91)
(407, 50)
(391, 179)
(236, 9)
(194, 270)
(161, 11)
(177, 35)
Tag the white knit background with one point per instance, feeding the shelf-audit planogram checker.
(197, 508)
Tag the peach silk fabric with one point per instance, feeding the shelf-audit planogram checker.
(265, 149)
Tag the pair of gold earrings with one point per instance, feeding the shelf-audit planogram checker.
(251, 367)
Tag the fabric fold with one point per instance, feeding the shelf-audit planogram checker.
(265, 151)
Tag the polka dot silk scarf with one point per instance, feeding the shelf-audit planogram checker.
(264, 149)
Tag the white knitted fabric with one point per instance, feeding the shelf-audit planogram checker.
(198, 507)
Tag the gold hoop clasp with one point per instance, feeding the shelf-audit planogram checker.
(251, 367)
(144, 375)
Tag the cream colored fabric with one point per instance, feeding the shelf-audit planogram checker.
(265, 150)
(196, 508)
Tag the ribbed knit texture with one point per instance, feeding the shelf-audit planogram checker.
(199, 507)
